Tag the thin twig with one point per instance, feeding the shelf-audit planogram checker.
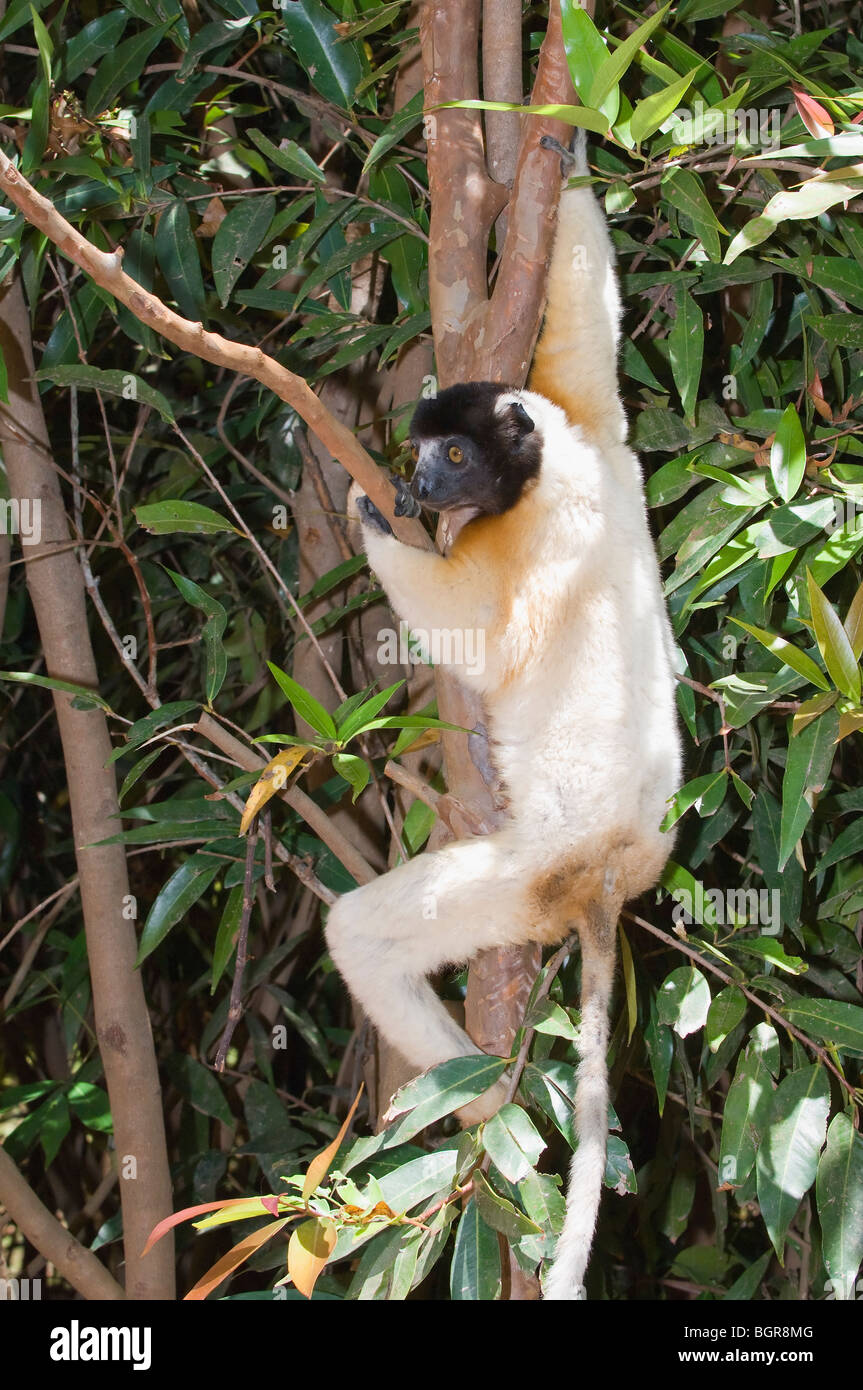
(676, 944)
(235, 1007)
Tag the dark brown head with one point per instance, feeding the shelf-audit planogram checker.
(473, 448)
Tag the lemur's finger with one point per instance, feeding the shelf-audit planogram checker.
(406, 504)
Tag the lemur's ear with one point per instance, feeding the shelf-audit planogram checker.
(519, 419)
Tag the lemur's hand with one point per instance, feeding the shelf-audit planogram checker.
(406, 504)
(365, 510)
(370, 516)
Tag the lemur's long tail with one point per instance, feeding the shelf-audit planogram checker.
(565, 1280)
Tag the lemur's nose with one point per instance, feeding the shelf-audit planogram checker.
(420, 487)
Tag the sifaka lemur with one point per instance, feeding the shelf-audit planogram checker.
(557, 569)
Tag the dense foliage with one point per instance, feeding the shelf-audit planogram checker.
(253, 168)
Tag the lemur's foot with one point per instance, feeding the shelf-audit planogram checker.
(568, 158)
(369, 514)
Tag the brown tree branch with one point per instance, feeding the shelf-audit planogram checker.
(297, 799)
(78, 1266)
(105, 269)
(122, 1022)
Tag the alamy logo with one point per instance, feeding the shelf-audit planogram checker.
(443, 646)
(77, 1343)
(729, 907)
(21, 516)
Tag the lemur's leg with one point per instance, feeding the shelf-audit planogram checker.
(439, 908)
(575, 363)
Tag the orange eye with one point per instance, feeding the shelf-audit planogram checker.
(415, 453)
(455, 453)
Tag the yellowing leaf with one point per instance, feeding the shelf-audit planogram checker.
(320, 1164)
(309, 1248)
(234, 1258)
(273, 779)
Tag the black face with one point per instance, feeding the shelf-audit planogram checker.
(468, 455)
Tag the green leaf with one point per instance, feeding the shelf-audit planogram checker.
(112, 382)
(355, 771)
(549, 1017)
(400, 123)
(650, 113)
(787, 653)
(288, 155)
(333, 579)
(833, 643)
(619, 1168)
(306, 706)
(358, 718)
(845, 330)
(237, 240)
(177, 254)
(685, 192)
(164, 518)
(788, 454)
(333, 67)
(90, 1103)
(99, 36)
(684, 1000)
(746, 1286)
(757, 320)
(768, 948)
(136, 772)
(787, 1159)
(686, 349)
(705, 793)
(830, 1019)
(810, 200)
(123, 65)
(854, 624)
(551, 1084)
(586, 51)
(499, 1212)
(659, 1041)
(612, 68)
(439, 1092)
(475, 1269)
(724, 1014)
(210, 36)
(201, 1088)
(216, 660)
(55, 1122)
(226, 935)
(178, 895)
(144, 729)
(404, 255)
(745, 1115)
(810, 755)
(512, 1142)
(51, 683)
(849, 842)
(839, 1194)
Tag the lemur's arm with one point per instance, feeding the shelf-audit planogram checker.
(575, 364)
(425, 589)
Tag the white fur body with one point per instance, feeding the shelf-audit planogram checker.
(579, 691)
